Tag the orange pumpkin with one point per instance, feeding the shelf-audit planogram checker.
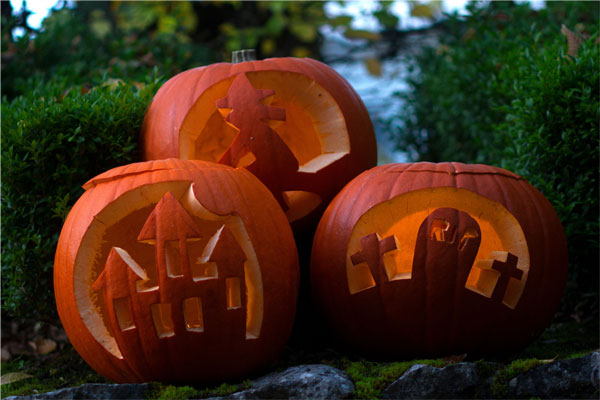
(435, 259)
(176, 270)
(294, 123)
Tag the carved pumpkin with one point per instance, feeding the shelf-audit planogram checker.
(294, 123)
(435, 259)
(176, 270)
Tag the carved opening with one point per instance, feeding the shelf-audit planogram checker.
(202, 271)
(172, 258)
(132, 208)
(203, 268)
(192, 312)
(361, 278)
(301, 203)
(402, 216)
(123, 313)
(163, 321)
(232, 290)
(441, 231)
(246, 160)
(498, 278)
(395, 263)
(379, 255)
(314, 124)
(252, 276)
(470, 233)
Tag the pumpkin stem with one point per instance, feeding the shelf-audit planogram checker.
(239, 56)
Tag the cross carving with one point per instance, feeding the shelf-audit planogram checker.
(507, 269)
(373, 249)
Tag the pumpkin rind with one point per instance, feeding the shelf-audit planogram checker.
(430, 304)
(211, 346)
(173, 105)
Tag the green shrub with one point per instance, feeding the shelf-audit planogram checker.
(54, 139)
(555, 143)
(459, 86)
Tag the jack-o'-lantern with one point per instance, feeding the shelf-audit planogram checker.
(434, 259)
(176, 270)
(294, 123)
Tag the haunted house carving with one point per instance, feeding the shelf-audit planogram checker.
(190, 298)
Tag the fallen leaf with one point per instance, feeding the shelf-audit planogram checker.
(13, 377)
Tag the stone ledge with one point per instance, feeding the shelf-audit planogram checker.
(95, 391)
(573, 378)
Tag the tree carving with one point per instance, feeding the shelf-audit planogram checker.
(273, 162)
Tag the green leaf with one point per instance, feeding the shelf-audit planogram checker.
(303, 31)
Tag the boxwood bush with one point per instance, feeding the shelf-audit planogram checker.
(500, 89)
(54, 139)
(552, 127)
(73, 99)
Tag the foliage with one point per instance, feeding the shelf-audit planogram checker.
(499, 89)
(459, 86)
(552, 127)
(86, 48)
(54, 139)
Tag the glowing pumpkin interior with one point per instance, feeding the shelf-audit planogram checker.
(300, 112)
(131, 235)
(394, 224)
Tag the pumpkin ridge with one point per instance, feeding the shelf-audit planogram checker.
(97, 181)
(541, 221)
(437, 168)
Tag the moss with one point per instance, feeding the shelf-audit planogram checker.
(159, 391)
(224, 389)
(517, 367)
(486, 369)
(371, 378)
(176, 393)
(246, 384)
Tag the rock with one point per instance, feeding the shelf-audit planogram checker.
(92, 391)
(426, 382)
(574, 378)
(301, 382)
